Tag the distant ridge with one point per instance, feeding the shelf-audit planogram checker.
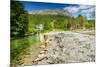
(50, 12)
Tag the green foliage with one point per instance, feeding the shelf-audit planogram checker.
(59, 22)
(49, 22)
(19, 19)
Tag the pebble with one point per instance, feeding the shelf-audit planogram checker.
(66, 49)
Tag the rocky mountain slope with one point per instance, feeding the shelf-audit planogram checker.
(50, 12)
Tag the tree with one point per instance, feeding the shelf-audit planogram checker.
(82, 21)
(19, 19)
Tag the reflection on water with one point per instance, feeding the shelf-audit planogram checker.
(20, 44)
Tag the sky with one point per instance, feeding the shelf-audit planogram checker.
(87, 11)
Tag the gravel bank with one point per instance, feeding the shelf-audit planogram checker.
(67, 47)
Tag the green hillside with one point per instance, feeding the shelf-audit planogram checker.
(58, 22)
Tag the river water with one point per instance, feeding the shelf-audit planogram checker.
(18, 47)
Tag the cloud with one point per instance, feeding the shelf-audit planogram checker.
(88, 11)
(71, 9)
(85, 10)
(84, 6)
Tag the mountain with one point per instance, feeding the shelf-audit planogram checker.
(50, 12)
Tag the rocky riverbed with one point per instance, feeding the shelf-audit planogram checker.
(67, 47)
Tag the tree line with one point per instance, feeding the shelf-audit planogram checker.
(59, 22)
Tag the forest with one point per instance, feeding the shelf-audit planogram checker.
(59, 22)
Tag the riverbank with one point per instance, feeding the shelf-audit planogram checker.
(63, 47)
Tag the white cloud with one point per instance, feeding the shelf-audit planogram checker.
(84, 6)
(88, 11)
(72, 9)
(85, 10)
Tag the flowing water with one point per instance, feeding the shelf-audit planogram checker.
(21, 47)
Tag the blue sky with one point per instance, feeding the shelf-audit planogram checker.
(85, 10)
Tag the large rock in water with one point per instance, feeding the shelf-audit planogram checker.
(69, 47)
